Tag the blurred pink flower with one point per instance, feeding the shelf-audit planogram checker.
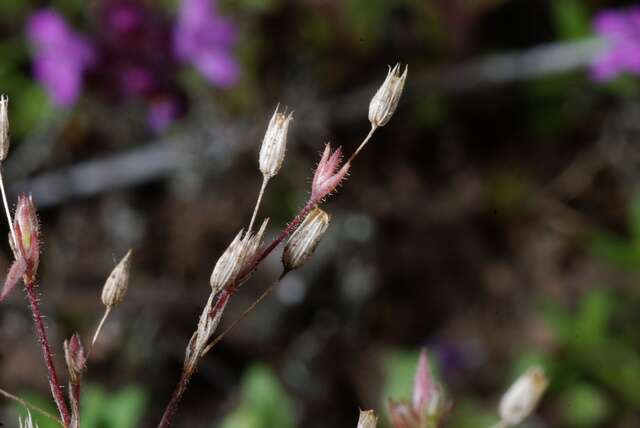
(61, 55)
(205, 39)
(620, 30)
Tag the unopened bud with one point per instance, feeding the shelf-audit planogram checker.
(274, 143)
(384, 102)
(75, 358)
(523, 396)
(116, 285)
(4, 127)
(305, 239)
(368, 419)
(234, 260)
(27, 230)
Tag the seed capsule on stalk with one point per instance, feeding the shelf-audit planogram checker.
(4, 127)
(305, 239)
(274, 143)
(117, 283)
(384, 102)
(523, 396)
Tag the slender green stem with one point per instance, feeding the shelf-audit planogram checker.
(265, 180)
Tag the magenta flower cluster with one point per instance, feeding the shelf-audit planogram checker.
(134, 52)
(620, 31)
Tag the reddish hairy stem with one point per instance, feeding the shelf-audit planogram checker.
(185, 376)
(54, 383)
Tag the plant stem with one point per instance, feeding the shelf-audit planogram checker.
(56, 389)
(29, 405)
(6, 208)
(265, 180)
(97, 333)
(364, 143)
(246, 312)
(170, 411)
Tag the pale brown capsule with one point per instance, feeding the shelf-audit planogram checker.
(235, 258)
(523, 396)
(305, 239)
(274, 143)
(368, 419)
(116, 285)
(4, 127)
(384, 102)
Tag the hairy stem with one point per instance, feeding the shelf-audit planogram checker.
(56, 389)
(169, 413)
(246, 312)
(29, 405)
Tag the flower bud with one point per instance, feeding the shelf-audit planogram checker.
(523, 396)
(384, 102)
(75, 358)
(27, 229)
(235, 259)
(305, 239)
(4, 127)
(116, 285)
(368, 419)
(328, 174)
(274, 143)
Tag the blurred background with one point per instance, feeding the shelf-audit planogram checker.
(495, 219)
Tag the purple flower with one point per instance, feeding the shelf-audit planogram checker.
(620, 29)
(61, 55)
(205, 39)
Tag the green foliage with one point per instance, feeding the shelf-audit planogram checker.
(99, 408)
(263, 402)
(399, 371)
(619, 250)
(571, 18)
(584, 406)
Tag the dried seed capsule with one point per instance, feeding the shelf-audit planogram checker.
(368, 419)
(116, 285)
(75, 358)
(274, 143)
(4, 127)
(305, 239)
(235, 258)
(523, 396)
(384, 102)
(27, 228)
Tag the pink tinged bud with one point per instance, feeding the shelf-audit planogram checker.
(368, 419)
(424, 388)
(75, 358)
(17, 270)
(403, 416)
(274, 144)
(27, 231)
(328, 174)
(4, 127)
(523, 396)
(384, 102)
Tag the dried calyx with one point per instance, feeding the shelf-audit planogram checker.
(236, 258)
(117, 283)
(384, 102)
(274, 143)
(303, 242)
(368, 419)
(75, 358)
(4, 127)
(523, 396)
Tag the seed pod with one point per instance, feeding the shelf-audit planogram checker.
(27, 229)
(384, 102)
(368, 419)
(305, 239)
(116, 285)
(274, 143)
(75, 358)
(4, 127)
(235, 258)
(523, 396)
